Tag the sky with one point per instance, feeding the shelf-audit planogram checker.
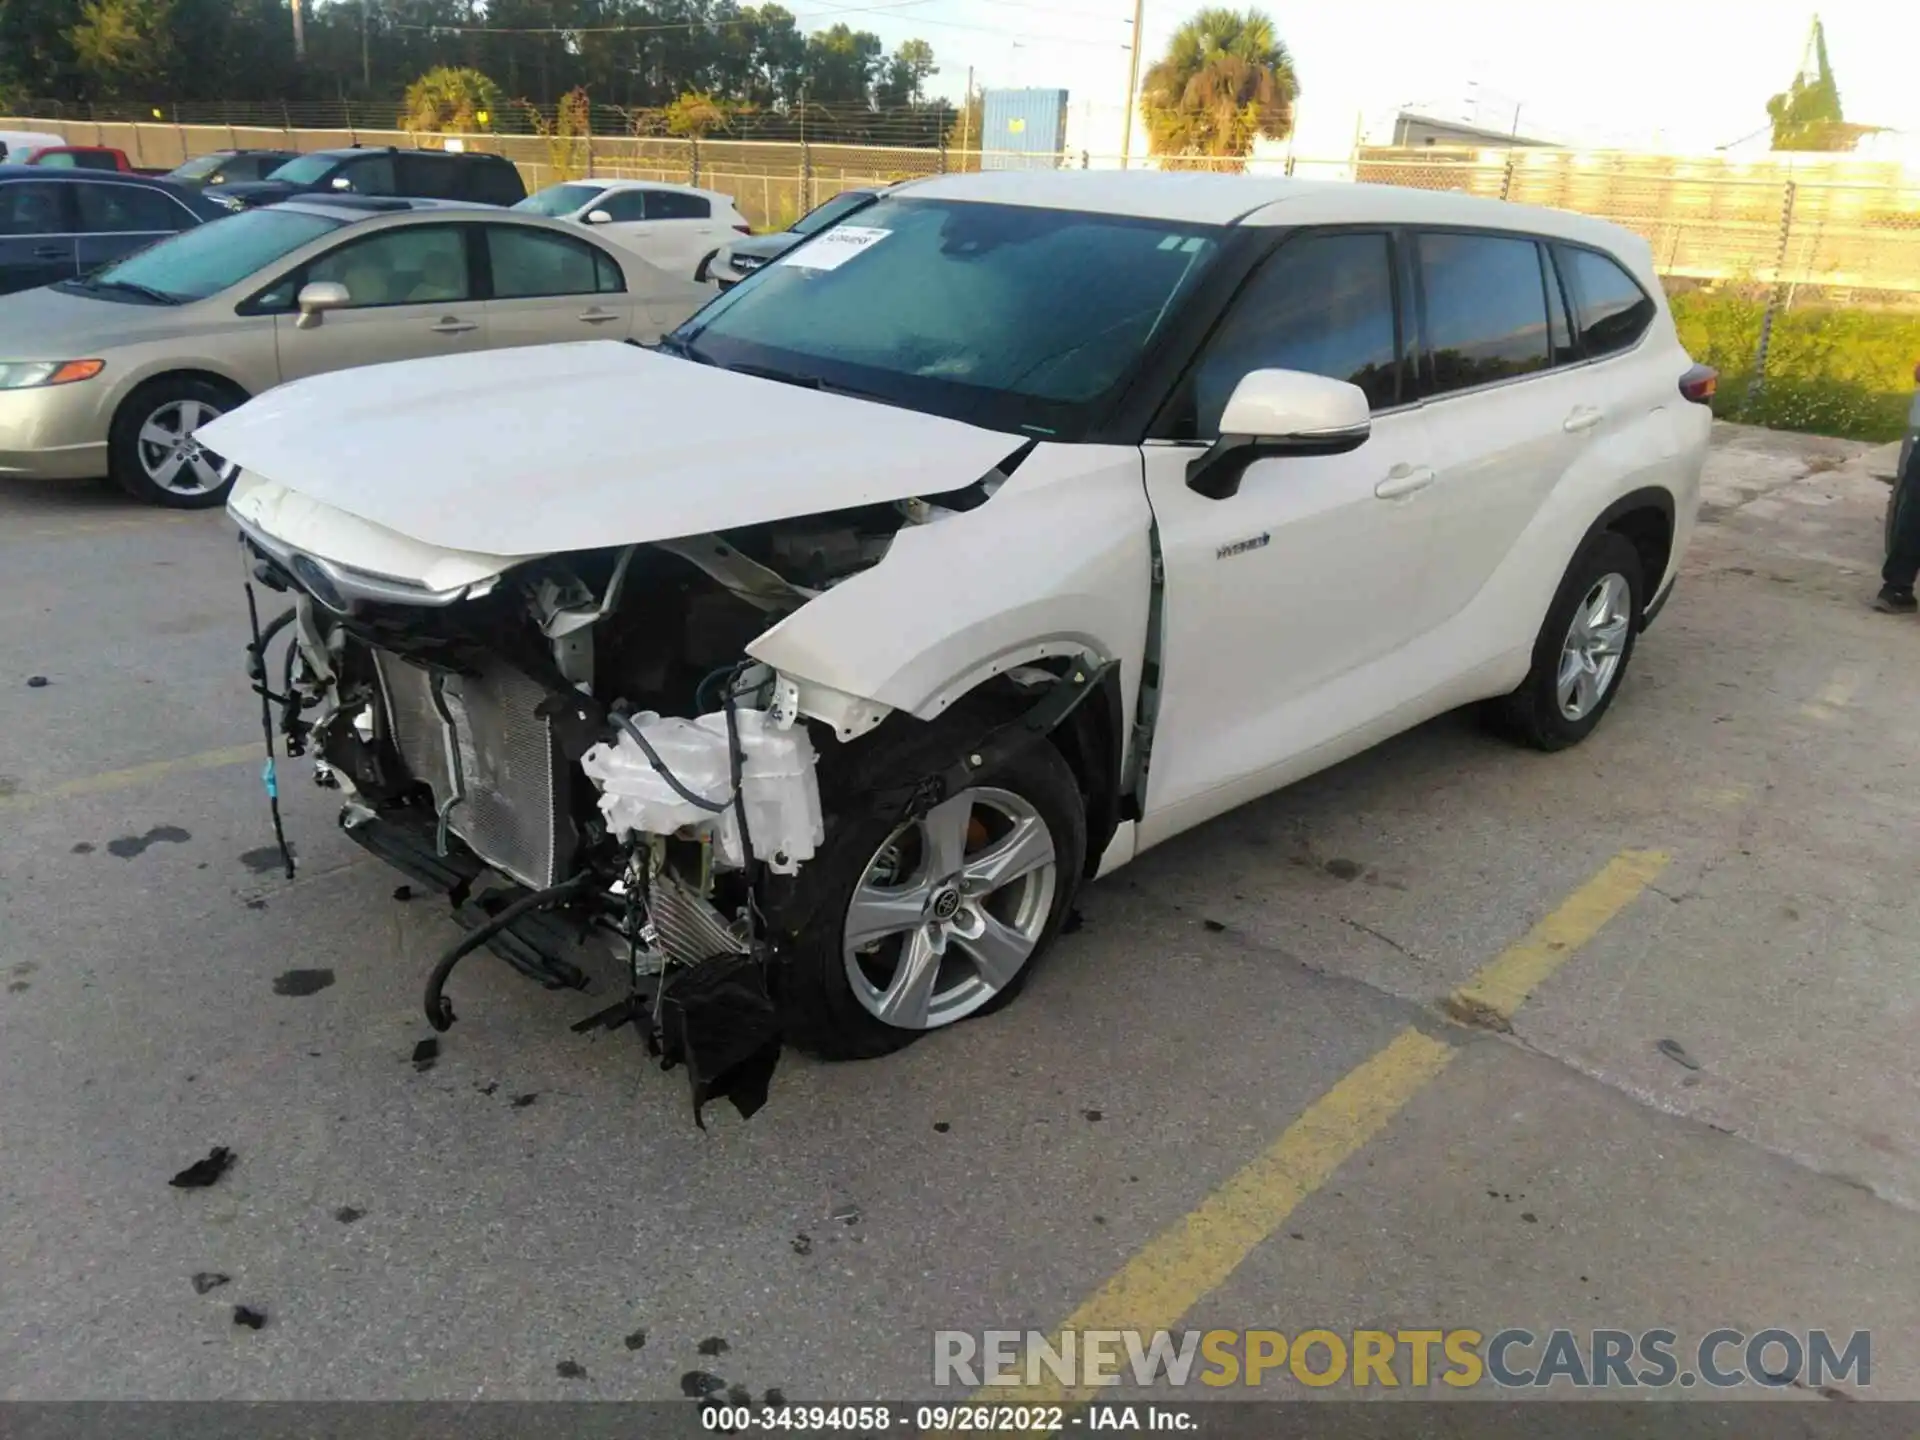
(1628, 74)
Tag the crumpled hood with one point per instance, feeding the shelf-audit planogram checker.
(550, 448)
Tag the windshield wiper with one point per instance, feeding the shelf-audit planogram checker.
(674, 345)
(131, 287)
(805, 382)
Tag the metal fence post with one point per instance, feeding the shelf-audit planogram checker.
(693, 159)
(1756, 387)
(1506, 177)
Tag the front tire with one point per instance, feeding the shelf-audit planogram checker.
(151, 450)
(916, 926)
(1583, 649)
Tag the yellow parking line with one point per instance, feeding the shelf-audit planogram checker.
(96, 527)
(1183, 1264)
(1503, 984)
(134, 775)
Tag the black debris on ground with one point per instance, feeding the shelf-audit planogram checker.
(489, 1088)
(205, 1171)
(570, 1370)
(698, 1384)
(38, 682)
(713, 1345)
(425, 1053)
(347, 1214)
(85, 847)
(802, 1244)
(1677, 1053)
(205, 1280)
(256, 904)
(941, 1127)
(1529, 1217)
(297, 982)
(636, 1341)
(520, 1102)
(848, 1214)
(248, 1316)
(739, 1395)
(776, 1396)
(1093, 1115)
(403, 892)
(1342, 869)
(1216, 926)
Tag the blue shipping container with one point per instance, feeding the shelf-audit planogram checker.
(1022, 129)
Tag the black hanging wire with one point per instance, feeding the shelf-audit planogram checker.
(269, 775)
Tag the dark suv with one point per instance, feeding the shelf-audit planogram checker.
(383, 170)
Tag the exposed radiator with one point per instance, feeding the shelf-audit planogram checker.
(514, 814)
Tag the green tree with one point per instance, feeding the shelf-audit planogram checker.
(903, 77)
(1224, 80)
(1806, 115)
(840, 66)
(123, 47)
(449, 100)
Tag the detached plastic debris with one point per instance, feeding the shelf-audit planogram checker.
(248, 1316)
(204, 1172)
(205, 1280)
(777, 782)
(718, 1020)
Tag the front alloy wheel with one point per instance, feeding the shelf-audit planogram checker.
(154, 449)
(950, 910)
(171, 457)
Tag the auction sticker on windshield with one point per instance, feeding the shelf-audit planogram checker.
(831, 249)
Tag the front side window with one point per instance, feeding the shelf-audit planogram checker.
(1009, 316)
(1486, 309)
(32, 207)
(306, 170)
(1614, 311)
(558, 200)
(624, 206)
(1322, 304)
(371, 176)
(528, 262)
(201, 167)
(129, 209)
(212, 257)
(415, 265)
(57, 160)
(677, 205)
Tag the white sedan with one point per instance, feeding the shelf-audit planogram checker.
(675, 227)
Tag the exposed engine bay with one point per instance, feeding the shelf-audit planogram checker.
(587, 729)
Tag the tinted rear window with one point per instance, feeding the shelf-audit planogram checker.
(1613, 310)
(1486, 309)
(673, 205)
(492, 182)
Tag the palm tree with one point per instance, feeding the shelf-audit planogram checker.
(1224, 80)
(448, 100)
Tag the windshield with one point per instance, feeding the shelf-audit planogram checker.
(558, 200)
(1006, 316)
(306, 169)
(822, 216)
(203, 261)
(199, 167)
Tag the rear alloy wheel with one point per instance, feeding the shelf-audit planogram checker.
(1583, 648)
(153, 449)
(918, 925)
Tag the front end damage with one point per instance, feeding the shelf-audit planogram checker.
(580, 754)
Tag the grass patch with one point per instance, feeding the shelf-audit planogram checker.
(1830, 371)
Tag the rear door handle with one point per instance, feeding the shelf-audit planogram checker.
(1404, 480)
(1584, 417)
(53, 252)
(453, 325)
(597, 316)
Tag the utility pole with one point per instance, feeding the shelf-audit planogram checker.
(1133, 85)
(366, 62)
(299, 33)
(966, 121)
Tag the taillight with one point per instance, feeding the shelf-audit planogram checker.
(744, 229)
(1700, 383)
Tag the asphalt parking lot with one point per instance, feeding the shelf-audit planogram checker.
(1235, 1097)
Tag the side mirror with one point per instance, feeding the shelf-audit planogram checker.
(318, 298)
(1274, 413)
(599, 217)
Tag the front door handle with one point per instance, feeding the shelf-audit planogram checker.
(53, 252)
(597, 316)
(1584, 417)
(1404, 480)
(453, 325)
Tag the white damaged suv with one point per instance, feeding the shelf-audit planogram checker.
(814, 658)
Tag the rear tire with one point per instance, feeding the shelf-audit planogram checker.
(151, 453)
(1583, 650)
(1000, 861)
(703, 271)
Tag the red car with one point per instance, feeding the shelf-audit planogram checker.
(87, 157)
